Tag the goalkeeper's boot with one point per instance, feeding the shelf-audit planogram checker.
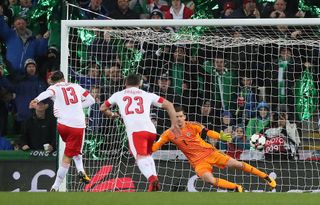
(83, 177)
(154, 184)
(271, 182)
(239, 189)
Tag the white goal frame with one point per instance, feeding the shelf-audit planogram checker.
(66, 24)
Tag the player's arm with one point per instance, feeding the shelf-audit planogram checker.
(105, 109)
(87, 99)
(219, 136)
(42, 96)
(162, 140)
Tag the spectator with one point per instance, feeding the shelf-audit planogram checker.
(162, 5)
(279, 6)
(164, 89)
(261, 122)
(244, 100)
(248, 10)
(191, 5)
(25, 9)
(157, 14)
(140, 7)
(96, 121)
(5, 144)
(50, 63)
(228, 9)
(283, 74)
(205, 117)
(154, 63)
(237, 145)
(114, 81)
(21, 9)
(25, 87)
(5, 97)
(178, 11)
(39, 131)
(180, 73)
(122, 11)
(96, 11)
(20, 43)
(219, 84)
(179, 70)
(90, 79)
(282, 138)
(226, 124)
(103, 47)
(286, 32)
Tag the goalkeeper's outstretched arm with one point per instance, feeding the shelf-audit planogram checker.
(220, 136)
(162, 140)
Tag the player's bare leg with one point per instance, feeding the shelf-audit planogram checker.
(61, 173)
(252, 170)
(221, 183)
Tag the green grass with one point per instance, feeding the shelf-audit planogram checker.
(159, 198)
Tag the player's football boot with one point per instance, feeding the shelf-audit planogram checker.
(239, 189)
(271, 182)
(154, 184)
(53, 190)
(83, 177)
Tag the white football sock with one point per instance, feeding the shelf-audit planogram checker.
(78, 162)
(146, 166)
(61, 174)
(153, 165)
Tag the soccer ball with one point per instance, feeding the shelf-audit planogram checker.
(257, 141)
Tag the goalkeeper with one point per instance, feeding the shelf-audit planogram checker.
(202, 156)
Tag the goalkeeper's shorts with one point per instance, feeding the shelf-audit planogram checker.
(217, 159)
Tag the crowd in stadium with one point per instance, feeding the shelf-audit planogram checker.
(216, 90)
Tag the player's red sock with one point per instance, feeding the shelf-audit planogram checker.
(152, 178)
(250, 169)
(225, 184)
(153, 183)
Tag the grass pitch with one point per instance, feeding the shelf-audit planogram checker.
(158, 198)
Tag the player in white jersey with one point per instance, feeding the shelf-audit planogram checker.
(69, 100)
(134, 106)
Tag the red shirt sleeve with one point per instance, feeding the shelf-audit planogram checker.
(161, 100)
(86, 93)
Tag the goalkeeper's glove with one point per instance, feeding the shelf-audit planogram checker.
(225, 136)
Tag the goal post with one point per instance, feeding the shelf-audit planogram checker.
(280, 59)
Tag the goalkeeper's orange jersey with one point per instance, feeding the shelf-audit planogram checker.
(189, 142)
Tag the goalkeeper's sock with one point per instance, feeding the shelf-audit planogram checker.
(79, 163)
(250, 169)
(61, 174)
(145, 165)
(221, 183)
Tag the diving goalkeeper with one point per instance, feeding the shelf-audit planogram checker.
(203, 156)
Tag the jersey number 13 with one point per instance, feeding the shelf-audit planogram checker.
(69, 95)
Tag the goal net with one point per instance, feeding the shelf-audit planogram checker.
(238, 76)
